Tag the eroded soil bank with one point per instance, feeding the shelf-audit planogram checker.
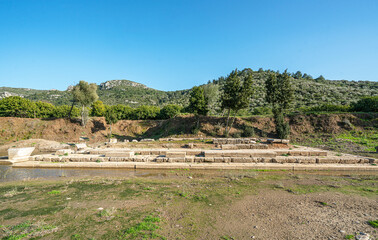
(351, 133)
(186, 204)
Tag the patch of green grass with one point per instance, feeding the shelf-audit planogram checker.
(200, 198)
(128, 192)
(368, 139)
(226, 238)
(76, 237)
(373, 223)
(26, 230)
(54, 192)
(350, 236)
(143, 230)
(183, 194)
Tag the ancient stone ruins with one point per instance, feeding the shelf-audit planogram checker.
(226, 151)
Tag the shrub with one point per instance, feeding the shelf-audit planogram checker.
(98, 109)
(366, 104)
(282, 127)
(236, 135)
(170, 111)
(248, 131)
(262, 111)
(146, 112)
(123, 112)
(15, 106)
(62, 111)
(327, 108)
(44, 110)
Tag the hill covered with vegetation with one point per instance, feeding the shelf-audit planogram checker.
(309, 92)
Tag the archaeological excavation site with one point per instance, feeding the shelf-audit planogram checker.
(193, 153)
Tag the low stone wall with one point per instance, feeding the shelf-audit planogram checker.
(234, 140)
(243, 146)
(178, 157)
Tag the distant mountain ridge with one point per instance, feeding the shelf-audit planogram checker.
(308, 92)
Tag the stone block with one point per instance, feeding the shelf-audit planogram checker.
(241, 159)
(199, 159)
(20, 153)
(80, 146)
(120, 154)
(259, 146)
(174, 154)
(113, 140)
(327, 160)
(228, 147)
(177, 159)
(147, 140)
(134, 140)
(208, 159)
(349, 160)
(63, 151)
(307, 160)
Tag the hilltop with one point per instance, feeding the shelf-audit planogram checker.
(308, 92)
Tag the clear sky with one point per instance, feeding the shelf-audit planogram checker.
(176, 44)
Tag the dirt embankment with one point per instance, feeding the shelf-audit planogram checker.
(63, 130)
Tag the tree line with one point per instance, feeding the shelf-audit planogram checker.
(230, 98)
(16, 106)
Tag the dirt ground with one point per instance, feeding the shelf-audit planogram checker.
(185, 204)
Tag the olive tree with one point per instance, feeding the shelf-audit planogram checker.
(111, 118)
(84, 94)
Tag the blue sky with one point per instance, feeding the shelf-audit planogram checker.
(176, 44)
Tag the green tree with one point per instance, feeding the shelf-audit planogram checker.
(198, 104)
(110, 118)
(170, 111)
(236, 95)
(84, 94)
(280, 94)
(211, 93)
(320, 79)
(98, 109)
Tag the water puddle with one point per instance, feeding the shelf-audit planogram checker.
(7, 173)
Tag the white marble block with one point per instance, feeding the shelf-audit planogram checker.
(80, 146)
(20, 153)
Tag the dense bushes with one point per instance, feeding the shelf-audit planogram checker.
(17, 107)
(20, 107)
(143, 112)
(327, 108)
(366, 104)
(170, 111)
(62, 111)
